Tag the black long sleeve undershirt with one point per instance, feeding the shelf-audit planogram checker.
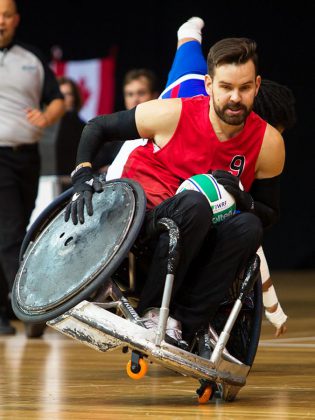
(104, 128)
(266, 195)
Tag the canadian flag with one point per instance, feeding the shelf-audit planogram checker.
(96, 80)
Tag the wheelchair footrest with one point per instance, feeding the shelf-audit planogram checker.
(104, 331)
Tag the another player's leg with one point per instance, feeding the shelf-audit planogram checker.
(186, 77)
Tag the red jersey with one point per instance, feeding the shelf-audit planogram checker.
(195, 149)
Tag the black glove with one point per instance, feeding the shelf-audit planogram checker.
(244, 201)
(85, 183)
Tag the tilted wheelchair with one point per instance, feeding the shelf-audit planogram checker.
(82, 281)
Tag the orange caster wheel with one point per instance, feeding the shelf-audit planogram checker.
(206, 395)
(206, 391)
(137, 370)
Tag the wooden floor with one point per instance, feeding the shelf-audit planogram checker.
(56, 378)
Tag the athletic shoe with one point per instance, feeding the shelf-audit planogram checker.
(191, 29)
(150, 318)
(173, 333)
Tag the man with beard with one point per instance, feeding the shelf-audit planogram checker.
(275, 103)
(187, 136)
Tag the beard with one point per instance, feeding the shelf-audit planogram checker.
(232, 119)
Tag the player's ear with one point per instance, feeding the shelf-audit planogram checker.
(258, 83)
(208, 84)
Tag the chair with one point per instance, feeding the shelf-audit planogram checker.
(81, 281)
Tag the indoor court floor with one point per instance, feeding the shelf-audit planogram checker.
(57, 378)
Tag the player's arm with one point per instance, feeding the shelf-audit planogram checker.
(97, 131)
(155, 119)
(266, 187)
(273, 310)
(263, 197)
(271, 158)
(105, 128)
(158, 119)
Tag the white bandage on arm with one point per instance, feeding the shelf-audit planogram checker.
(276, 318)
(270, 297)
(264, 270)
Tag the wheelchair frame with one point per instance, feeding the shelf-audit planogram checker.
(93, 323)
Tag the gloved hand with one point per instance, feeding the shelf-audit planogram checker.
(244, 201)
(85, 183)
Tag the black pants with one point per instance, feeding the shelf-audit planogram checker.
(19, 175)
(211, 257)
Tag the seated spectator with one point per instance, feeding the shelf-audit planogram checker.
(69, 130)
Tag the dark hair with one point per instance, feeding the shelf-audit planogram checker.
(232, 51)
(78, 101)
(275, 103)
(136, 74)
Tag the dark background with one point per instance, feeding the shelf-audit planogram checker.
(145, 36)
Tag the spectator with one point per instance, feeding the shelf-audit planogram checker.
(30, 100)
(140, 85)
(69, 130)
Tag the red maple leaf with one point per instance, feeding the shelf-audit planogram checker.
(85, 92)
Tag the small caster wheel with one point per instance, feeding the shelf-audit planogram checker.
(205, 396)
(137, 370)
(34, 330)
(206, 391)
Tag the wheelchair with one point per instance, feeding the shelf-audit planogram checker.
(82, 281)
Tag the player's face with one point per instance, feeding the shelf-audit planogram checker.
(136, 92)
(233, 89)
(9, 20)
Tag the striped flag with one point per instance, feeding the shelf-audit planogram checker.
(96, 79)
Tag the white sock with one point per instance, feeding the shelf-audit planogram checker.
(191, 29)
